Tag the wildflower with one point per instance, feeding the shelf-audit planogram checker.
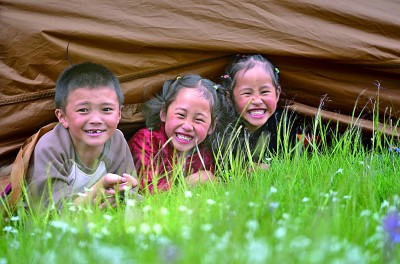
(252, 225)
(210, 201)
(157, 228)
(14, 218)
(60, 225)
(273, 206)
(272, 190)
(206, 227)
(251, 204)
(384, 204)
(182, 208)
(186, 232)
(131, 230)
(188, 194)
(365, 213)
(130, 203)
(340, 170)
(163, 211)
(10, 229)
(146, 208)
(391, 225)
(280, 232)
(305, 199)
(145, 228)
(107, 217)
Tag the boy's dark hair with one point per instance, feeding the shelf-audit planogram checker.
(86, 74)
(209, 90)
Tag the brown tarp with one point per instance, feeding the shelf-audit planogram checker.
(346, 52)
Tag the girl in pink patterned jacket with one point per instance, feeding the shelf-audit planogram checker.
(175, 144)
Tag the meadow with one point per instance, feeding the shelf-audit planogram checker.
(324, 204)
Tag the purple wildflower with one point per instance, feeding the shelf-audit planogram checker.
(391, 224)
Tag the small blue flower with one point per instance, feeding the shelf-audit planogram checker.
(391, 225)
(394, 149)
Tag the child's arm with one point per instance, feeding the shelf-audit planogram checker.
(202, 176)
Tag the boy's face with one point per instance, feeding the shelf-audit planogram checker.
(187, 120)
(91, 116)
(255, 96)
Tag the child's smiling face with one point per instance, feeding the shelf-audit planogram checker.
(188, 119)
(255, 96)
(91, 116)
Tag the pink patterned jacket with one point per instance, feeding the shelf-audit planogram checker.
(154, 162)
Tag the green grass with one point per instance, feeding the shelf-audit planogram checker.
(323, 205)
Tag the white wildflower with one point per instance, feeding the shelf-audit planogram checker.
(60, 225)
(273, 205)
(280, 232)
(130, 203)
(186, 232)
(272, 190)
(14, 218)
(340, 170)
(257, 251)
(188, 194)
(182, 208)
(305, 200)
(104, 231)
(206, 227)
(107, 217)
(210, 201)
(384, 204)
(163, 211)
(365, 213)
(252, 225)
(145, 228)
(131, 230)
(146, 208)
(10, 229)
(251, 204)
(286, 216)
(157, 228)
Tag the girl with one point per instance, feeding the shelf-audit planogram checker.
(179, 130)
(252, 88)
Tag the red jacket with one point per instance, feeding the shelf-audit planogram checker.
(155, 162)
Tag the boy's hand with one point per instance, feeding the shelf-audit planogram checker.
(105, 190)
(113, 183)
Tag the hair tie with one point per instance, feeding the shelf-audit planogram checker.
(226, 76)
(215, 87)
(276, 70)
(178, 77)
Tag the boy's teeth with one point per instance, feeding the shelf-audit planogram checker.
(94, 131)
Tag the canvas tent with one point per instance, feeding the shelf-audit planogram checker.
(343, 51)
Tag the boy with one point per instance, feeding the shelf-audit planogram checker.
(82, 158)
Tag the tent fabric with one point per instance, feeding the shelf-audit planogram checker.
(345, 53)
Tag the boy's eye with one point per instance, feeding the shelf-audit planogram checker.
(180, 115)
(83, 110)
(107, 109)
